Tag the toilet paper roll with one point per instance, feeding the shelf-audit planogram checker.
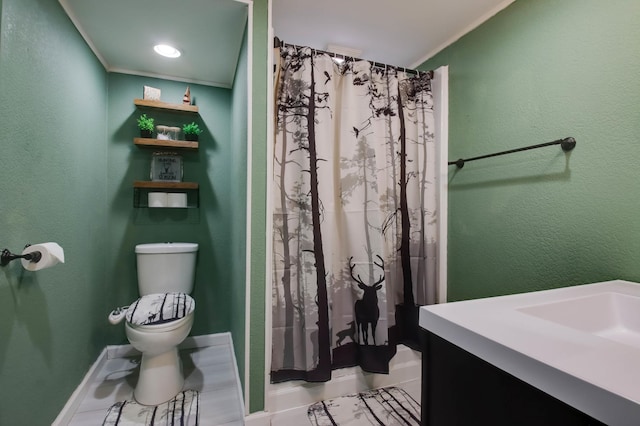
(157, 199)
(177, 199)
(51, 254)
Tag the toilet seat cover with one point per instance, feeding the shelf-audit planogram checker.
(160, 308)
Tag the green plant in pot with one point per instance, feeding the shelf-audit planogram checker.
(191, 131)
(145, 124)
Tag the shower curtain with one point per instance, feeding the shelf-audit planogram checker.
(353, 217)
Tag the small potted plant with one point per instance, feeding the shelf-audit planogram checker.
(191, 131)
(145, 124)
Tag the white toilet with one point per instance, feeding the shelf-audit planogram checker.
(161, 318)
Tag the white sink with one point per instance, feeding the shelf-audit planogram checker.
(580, 344)
(611, 315)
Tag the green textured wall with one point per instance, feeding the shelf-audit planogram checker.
(54, 168)
(538, 71)
(212, 166)
(239, 206)
(258, 205)
(68, 179)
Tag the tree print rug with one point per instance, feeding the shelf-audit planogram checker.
(181, 410)
(385, 406)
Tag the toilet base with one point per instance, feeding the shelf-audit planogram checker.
(160, 378)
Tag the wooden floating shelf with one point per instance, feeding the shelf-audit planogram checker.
(164, 185)
(165, 105)
(164, 143)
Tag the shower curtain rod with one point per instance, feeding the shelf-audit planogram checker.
(279, 43)
(567, 144)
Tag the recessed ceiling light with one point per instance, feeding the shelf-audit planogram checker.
(166, 50)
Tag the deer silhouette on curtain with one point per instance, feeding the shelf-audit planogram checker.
(354, 222)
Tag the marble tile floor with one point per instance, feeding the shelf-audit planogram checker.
(298, 416)
(209, 370)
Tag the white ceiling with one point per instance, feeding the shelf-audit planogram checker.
(122, 34)
(396, 32)
(209, 33)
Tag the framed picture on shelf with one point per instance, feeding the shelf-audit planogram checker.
(166, 167)
(151, 93)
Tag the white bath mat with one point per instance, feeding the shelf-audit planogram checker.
(181, 410)
(387, 406)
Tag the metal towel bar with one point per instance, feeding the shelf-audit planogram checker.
(567, 144)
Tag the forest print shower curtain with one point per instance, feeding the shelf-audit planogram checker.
(354, 222)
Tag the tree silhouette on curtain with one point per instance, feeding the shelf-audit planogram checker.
(353, 218)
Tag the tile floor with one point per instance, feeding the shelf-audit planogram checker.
(298, 416)
(209, 370)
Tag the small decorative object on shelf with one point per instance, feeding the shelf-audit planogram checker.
(173, 133)
(145, 124)
(167, 133)
(161, 132)
(191, 131)
(166, 166)
(186, 99)
(151, 93)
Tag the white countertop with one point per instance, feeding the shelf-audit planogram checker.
(596, 375)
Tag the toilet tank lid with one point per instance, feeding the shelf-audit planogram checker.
(166, 248)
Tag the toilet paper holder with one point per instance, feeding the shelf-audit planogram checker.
(6, 256)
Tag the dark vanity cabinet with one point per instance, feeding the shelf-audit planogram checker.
(460, 389)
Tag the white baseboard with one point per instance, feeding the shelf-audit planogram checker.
(405, 367)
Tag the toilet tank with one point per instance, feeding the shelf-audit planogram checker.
(166, 267)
